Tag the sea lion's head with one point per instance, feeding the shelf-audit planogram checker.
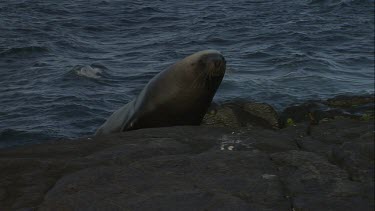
(211, 62)
(179, 95)
(205, 68)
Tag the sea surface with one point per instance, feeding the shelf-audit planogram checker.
(65, 66)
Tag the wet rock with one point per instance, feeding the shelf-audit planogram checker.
(328, 167)
(354, 107)
(242, 114)
(264, 112)
(299, 113)
(223, 116)
(344, 101)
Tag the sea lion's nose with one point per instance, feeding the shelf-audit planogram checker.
(222, 58)
(218, 60)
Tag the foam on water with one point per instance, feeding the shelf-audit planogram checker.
(88, 71)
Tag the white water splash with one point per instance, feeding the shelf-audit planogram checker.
(89, 72)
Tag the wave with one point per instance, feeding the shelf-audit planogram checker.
(47, 75)
(97, 28)
(338, 3)
(163, 18)
(258, 55)
(218, 40)
(146, 10)
(24, 51)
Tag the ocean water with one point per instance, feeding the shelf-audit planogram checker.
(66, 66)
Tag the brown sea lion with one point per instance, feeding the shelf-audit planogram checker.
(179, 95)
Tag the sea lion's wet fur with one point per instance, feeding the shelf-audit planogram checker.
(179, 95)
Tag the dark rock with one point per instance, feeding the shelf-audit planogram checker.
(179, 182)
(315, 184)
(300, 113)
(242, 114)
(259, 139)
(345, 142)
(265, 112)
(329, 167)
(354, 107)
(344, 101)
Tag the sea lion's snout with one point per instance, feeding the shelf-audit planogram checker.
(216, 64)
(215, 58)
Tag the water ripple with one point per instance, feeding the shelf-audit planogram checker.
(66, 66)
(24, 51)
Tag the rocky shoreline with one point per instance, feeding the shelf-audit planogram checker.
(245, 156)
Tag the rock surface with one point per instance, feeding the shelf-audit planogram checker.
(242, 114)
(355, 107)
(197, 168)
(324, 166)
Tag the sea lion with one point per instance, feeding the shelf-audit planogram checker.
(178, 95)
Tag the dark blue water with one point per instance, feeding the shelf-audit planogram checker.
(65, 67)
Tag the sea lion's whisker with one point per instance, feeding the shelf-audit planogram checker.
(193, 84)
(197, 80)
